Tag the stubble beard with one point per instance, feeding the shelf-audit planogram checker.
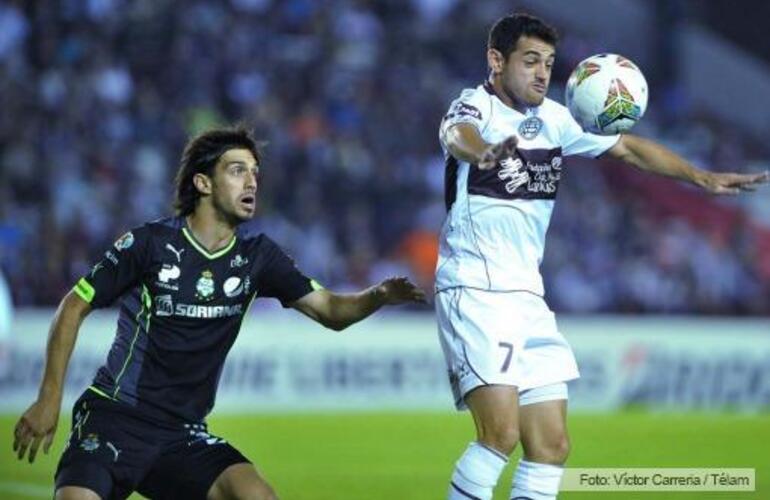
(231, 217)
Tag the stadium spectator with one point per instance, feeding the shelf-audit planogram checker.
(97, 96)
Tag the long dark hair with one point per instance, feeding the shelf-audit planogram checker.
(200, 157)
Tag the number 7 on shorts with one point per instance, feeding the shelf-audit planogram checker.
(507, 362)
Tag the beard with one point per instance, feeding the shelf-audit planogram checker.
(229, 214)
(528, 98)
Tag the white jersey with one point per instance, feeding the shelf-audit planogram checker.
(494, 234)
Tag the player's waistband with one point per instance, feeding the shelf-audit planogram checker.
(100, 399)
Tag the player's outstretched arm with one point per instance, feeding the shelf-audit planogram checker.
(465, 143)
(338, 311)
(38, 423)
(652, 157)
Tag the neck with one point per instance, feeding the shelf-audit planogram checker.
(507, 98)
(210, 228)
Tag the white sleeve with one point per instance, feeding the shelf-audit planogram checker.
(576, 141)
(473, 106)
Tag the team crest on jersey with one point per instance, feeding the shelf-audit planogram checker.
(90, 443)
(204, 288)
(531, 127)
(125, 241)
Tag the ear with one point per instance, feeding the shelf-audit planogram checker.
(495, 60)
(202, 183)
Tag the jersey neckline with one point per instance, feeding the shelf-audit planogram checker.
(202, 249)
(528, 110)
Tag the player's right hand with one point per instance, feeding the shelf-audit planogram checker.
(36, 425)
(497, 152)
(400, 290)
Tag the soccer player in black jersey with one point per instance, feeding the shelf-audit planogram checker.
(186, 283)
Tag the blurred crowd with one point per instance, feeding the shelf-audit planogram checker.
(99, 96)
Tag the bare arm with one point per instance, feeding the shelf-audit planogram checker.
(465, 143)
(339, 311)
(39, 422)
(652, 157)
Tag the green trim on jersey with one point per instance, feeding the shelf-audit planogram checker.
(200, 248)
(146, 302)
(316, 285)
(80, 423)
(100, 392)
(84, 290)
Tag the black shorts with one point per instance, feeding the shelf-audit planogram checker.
(114, 451)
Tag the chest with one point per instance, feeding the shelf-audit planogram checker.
(183, 282)
(534, 131)
(536, 169)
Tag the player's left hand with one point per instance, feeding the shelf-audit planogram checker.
(400, 290)
(728, 183)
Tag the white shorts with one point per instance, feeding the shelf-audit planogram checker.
(500, 338)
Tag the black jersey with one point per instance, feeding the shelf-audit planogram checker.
(181, 310)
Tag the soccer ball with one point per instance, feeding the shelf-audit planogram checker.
(606, 94)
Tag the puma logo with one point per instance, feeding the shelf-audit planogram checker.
(176, 252)
(115, 451)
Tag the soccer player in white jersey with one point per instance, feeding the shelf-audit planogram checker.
(508, 363)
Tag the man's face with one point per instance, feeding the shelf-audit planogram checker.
(527, 72)
(234, 185)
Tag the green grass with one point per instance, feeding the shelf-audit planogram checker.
(410, 456)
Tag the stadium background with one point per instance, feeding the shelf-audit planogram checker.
(98, 97)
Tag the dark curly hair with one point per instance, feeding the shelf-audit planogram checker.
(506, 32)
(200, 157)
